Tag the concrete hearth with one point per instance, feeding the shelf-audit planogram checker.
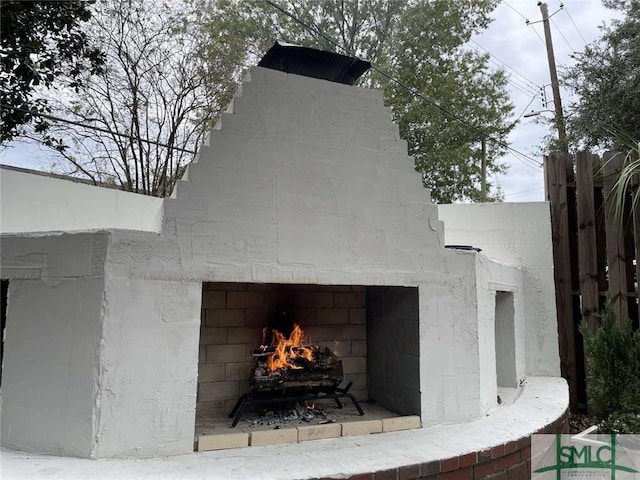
(259, 429)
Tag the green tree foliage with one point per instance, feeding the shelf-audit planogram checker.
(433, 62)
(606, 114)
(605, 80)
(155, 89)
(421, 44)
(623, 193)
(42, 41)
(171, 68)
(613, 367)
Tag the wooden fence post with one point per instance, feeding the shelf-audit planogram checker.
(555, 167)
(636, 240)
(635, 214)
(587, 247)
(616, 252)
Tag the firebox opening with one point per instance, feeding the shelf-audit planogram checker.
(372, 330)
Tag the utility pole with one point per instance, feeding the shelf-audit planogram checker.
(555, 86)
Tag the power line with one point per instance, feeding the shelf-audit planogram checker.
(513, 80)
(526, 21)
(537, 34)
(525, 79)
(526, 109)
(563, 37)
(527, 161)
(318, 32)
(524, 191)
(409, 89)
(92, 127)
(574, 24)
(527, 93)
(517, 85)
(507, 4)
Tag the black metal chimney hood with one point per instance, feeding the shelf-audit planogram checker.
(311, 62)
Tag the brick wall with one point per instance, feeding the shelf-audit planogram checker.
(508, 461)
(233, 315)
(394, 348)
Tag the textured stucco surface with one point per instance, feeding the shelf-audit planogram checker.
(516, 234)
(457, 336)
(493, 277)
(305, 177)
(148, 367)
(39, 203)
(51, 342)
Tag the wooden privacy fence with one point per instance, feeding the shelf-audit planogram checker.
(593, 252)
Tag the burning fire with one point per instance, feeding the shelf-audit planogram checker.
(290, 352)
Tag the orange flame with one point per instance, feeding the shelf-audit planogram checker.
(289, 349)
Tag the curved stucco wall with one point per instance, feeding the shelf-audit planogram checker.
(517, 234)
(30, 202)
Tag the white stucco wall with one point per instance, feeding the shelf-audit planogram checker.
(307, 182)
(31, 202)
(516, 234)
(457, 334)
(449, 366)
(148, 367)
(304, 177)
(493, 277)
(97, 364)
(51, 342)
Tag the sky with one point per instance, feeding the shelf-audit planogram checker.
(516, 47)
(520, 49)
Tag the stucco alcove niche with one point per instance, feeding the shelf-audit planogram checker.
(130, 318)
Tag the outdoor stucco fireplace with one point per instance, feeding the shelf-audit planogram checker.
(119, 340)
